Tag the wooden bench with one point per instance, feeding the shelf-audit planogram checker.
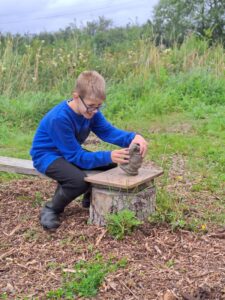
(24, 166)
(16, 165)
(112, 190)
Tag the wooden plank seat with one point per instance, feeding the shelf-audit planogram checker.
(25, 166)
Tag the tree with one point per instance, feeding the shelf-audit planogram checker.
(216, 20)
(101, 25)
(173, 19)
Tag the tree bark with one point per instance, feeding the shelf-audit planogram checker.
(106, 201)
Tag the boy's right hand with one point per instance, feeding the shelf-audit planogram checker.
(120, 156)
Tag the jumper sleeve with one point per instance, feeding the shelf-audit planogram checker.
(110, 134)
(66, 143)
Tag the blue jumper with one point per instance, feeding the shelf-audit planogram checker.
(61, 133)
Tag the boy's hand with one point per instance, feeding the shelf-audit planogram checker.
(138, 139)
(120, 156)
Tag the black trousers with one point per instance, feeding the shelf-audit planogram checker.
(70, 178)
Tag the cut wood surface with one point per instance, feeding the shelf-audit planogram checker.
(118, 178)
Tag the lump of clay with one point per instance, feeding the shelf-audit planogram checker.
(135, 161)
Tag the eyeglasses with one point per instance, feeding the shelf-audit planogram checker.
(90, 109)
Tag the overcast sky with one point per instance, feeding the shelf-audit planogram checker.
(33, 16)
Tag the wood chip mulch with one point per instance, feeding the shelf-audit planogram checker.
(161, 264)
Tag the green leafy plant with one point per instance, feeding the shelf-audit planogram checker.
(3, 296)
(121, 223)
(85, 279)
(170, 263)
(170, 211)
(38, 200)
(31, 235)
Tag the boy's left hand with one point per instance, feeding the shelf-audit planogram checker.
(138, 139)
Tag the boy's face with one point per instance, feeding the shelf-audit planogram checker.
(88, 107)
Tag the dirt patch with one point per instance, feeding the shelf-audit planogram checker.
(92, 140)
(180, 128)
(174, 128)
(32, 260)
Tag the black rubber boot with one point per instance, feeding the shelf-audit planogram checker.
(86, 199)
(49, 219)
(49, 216)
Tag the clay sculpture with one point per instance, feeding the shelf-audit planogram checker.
(135, 161)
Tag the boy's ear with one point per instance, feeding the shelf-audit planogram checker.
(75, 95)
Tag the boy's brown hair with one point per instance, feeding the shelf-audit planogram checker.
(91, 85)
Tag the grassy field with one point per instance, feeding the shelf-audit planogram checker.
(174, 97)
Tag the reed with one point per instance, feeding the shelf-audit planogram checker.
(40, 66)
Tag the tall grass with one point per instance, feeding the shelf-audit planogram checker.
(38, 66)
(144, 82)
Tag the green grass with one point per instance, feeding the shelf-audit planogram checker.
(3, 296)
(85, 278)
(171, 209)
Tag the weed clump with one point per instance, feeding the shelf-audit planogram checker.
(121, 223)
(85, 279)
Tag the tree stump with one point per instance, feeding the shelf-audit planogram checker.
(113, 191)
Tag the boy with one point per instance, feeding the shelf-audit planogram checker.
(56, 150)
